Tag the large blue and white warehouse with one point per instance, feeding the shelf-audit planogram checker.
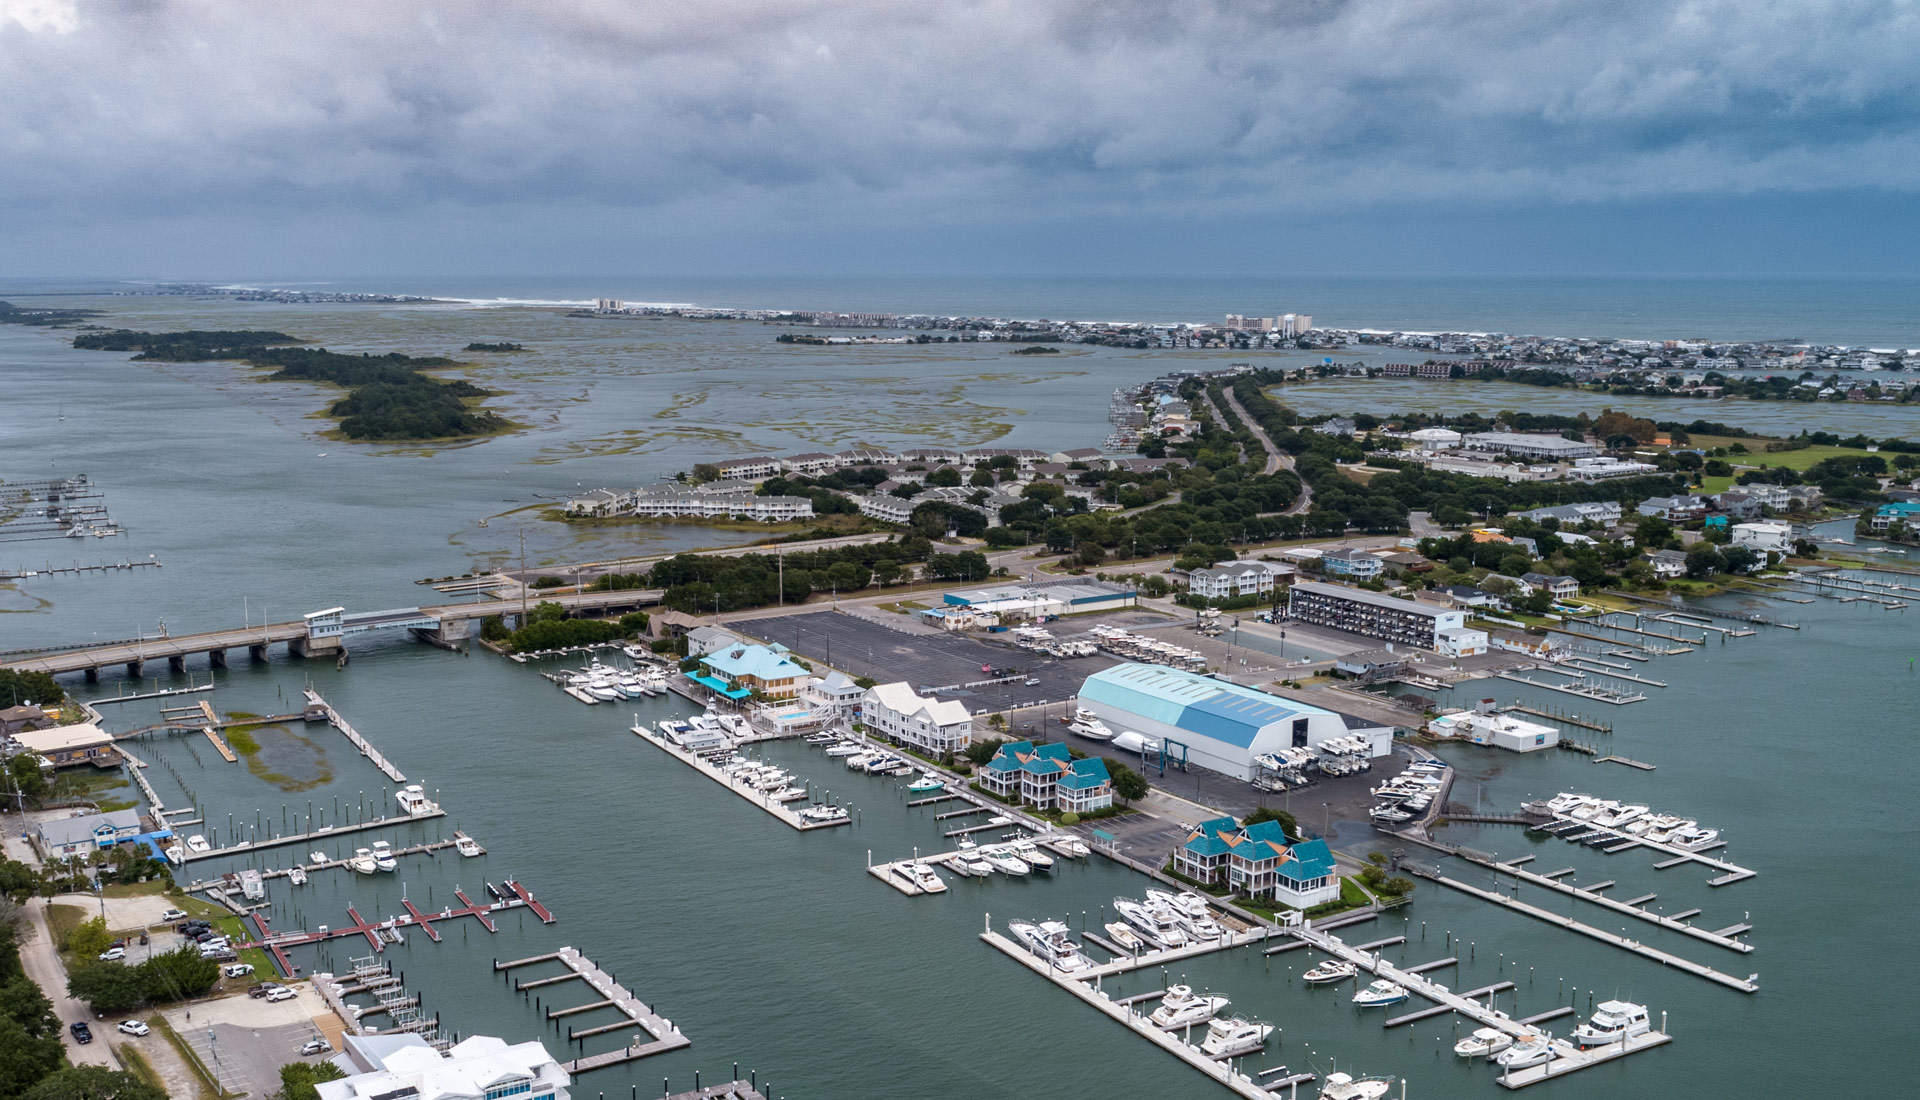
(1223, 726)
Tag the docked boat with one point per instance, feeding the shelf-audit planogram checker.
(1182, 1007)
(1567, 801)
(1071, 846)
(1232, 1038)
(1125, 938)
(198, 845)
(1588, 811)
(1534, 1051)
(972, 865)
(859, 759)
(928, 783)
(924, 877)
(1612, 1022)
(1344, 1086)
(1088, 725)
(466, 846)
(412, 799)
(602, 691)
(362, 862)
(383, 857)
(1483, 1043)
(787, 794)
(1330, 972)
(297, 875)
(1052, 941)
(821, 815)
(1157, 928)
(1380, 993)
(176, 854)
(1031, 855)
(1392, 815)
(317, 856)
(251, 886)
(846, 748)
(1694, 838)
(1620, 816)
(820, 738)
(1004, 861)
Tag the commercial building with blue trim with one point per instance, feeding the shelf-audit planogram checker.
(1223, 726)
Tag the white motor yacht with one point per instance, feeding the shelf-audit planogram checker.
(1125, 938)
(846, 748)
(1588, 811)
(1182, 1007)
(819, 815)
(1088, 725)
(859, 759)
(1620, 816)
(1052, 941)
(1567, 801)
(1612, 1022)
(1072, 846)
(973, 865)
(1380, 993)
(383, 856)
(297, 875)
(1343, 1086)
(1663, 834)
(1694, 838)
(1527, 1052)
(1232, 1038)
(362, 862)
(1483, 1043)
(787, 794)
(466, 846)
(924, 877)
(412, 799)
(198, 845)
(819, 739)
(603, 691)
(176, 854)
(1157, 928)
(1004, 861)
(1030, 853)
(1330, 972)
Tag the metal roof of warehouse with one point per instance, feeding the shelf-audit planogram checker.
(1198, 704)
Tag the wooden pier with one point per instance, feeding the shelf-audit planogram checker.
(1611, 759)
(753, 797)
(366, 748)
(1561, 717)
(160, 694)
(377, 933)
(308, 838)
(661, 1032)
(1584, 691)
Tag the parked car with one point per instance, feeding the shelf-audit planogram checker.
(192, 927)
(113, 954)
(81, 1032)
(262, 989)
(173, 914)
(317, 1045)
(223, 955)
(280, 993)
(236, 970)
(133, 1027)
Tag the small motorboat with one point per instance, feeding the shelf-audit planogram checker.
(1232, 1038)
(1534, 1051)
(297, 875)
(1182, 1007)
(1071, 846)
(974, 865)
(466, 846)
(1125, 938)
(1343, 1086)
(198, 845)
(924, 877)
(362, 862)
(176, 854)
(846, 748)
(1004, 861)
(1483, 1043)
(928, 783)
(1612, 1022)
(1380, 993)
(787, 794)
(823, 815)
(1330, 972)
(317, 856)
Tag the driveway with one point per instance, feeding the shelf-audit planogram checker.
(42, 964)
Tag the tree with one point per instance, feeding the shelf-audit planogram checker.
(1090, 552)
(26, 1058)
(1703, 561)
(982, 751)
(89, 939)
(178, 975)
(1128, 784)
(1739, 559)
(946, 477)
(705, 471)
(96, 1083)
(298, 1078)
(107, 986)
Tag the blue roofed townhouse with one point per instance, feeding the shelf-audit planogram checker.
(1258, 861)
(1049, 777)
(737, 672)
(1901, 512)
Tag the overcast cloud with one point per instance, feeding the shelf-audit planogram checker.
(757, 114)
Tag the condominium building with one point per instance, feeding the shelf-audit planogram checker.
(1049, 777)
(933, 726)
(1371, 614)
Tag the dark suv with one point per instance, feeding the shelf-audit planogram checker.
(81, 1032)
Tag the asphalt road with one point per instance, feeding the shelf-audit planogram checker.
(42, 963)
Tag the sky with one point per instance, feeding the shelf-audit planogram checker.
(189, 138)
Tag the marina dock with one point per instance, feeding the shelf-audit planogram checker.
(381, 933)
(753, 797)
(1592, 895)
(308, 838)
(661, 1031)
(366, 748)
(1584, 691)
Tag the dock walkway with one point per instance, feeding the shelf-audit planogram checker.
(662, 1032)
(307, 838)
(366, 748)
(752, 797)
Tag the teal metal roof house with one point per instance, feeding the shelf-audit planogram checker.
(1257, 860)
(1224, 726)
(738, 671)
(1049, 777)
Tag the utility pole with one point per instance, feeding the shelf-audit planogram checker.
(523, 577)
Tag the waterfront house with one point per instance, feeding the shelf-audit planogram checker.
(1676, 509)
(16, 719)
(1049, 777)
(931, 726)
(836, 696)
(87, 833)
(742, 670)
(1352, 562)
(403, 1066)
(1739, 504)
(1559, 587)
(1602, 511)
(594, 502)
(1885, 516)
(61, 746)
(1258, 861)
(1763, 538)
(702, 640)
(1667, 564)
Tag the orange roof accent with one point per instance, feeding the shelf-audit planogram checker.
(1490, 536)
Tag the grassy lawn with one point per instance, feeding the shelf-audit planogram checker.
(134, 889)
(62, 920)
(1606, 602)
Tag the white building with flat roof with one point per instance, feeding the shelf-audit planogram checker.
(1550, 448)
(1763, 537)
(405, 1067)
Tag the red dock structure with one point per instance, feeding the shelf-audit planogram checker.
(526, 897)
(276, 943)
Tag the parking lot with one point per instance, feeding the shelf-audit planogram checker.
(938, 659)
(246, 1040)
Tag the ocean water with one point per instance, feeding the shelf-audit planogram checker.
(776, 950)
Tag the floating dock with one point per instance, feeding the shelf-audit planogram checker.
(752, 797)
(366, 748)
(639, 1015)
(1592, 895)
(380, 933)
(1584, 691)
(308, 838)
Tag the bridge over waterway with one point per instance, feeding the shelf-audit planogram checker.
(319, 633)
